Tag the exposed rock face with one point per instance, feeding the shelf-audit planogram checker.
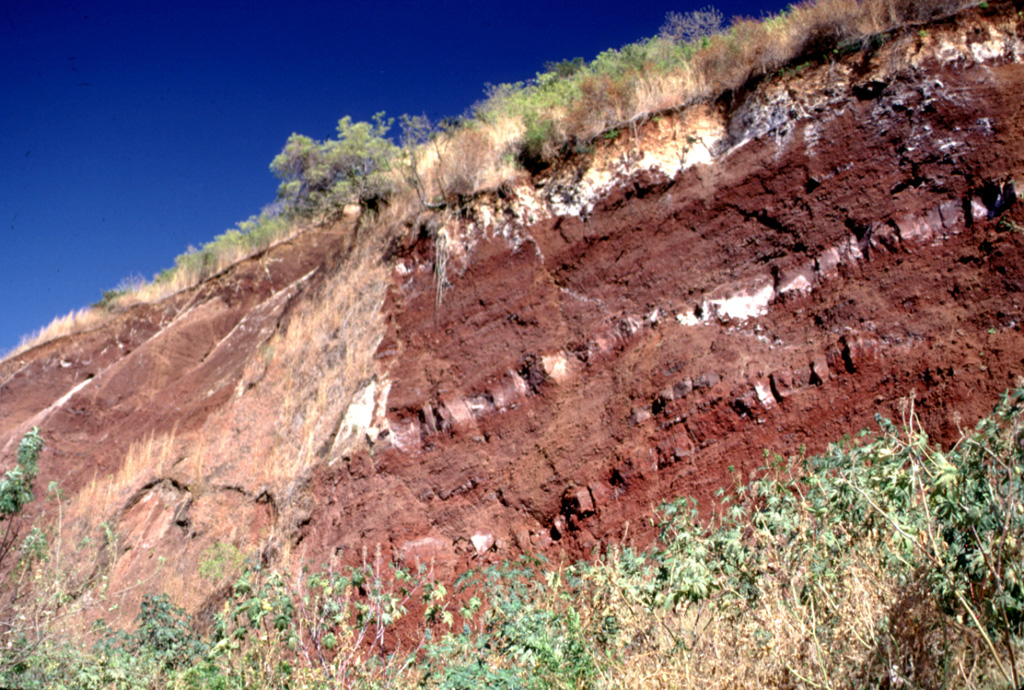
(768, 271)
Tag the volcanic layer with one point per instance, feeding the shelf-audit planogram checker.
(542, 369)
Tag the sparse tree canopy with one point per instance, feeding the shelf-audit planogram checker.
(688, 27)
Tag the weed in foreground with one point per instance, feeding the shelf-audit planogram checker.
(887, 563)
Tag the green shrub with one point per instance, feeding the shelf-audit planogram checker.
(16, 489)
(889, 560)
(320, 178)
(538, 148)
(197, 264)
(164, 635)
(564, 69)
(530, 635)
(886, 562)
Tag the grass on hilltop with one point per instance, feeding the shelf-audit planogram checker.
(520, 127)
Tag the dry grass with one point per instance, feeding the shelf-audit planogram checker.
(146, 460)
(189, 274)
(860, 628)
(475, 157)
(73, 322)
(150, 457)
(864, 629)
(324, 354)
(658, 91)
(826, 573)
(463, 161)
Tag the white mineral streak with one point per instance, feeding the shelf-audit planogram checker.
(358, 419)
(764, 396)
(746, 304)
(556, 366)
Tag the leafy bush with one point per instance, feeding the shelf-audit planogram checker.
(564, 69)
(16, 488)
(538, 151)
(891, 562)
(530, 636)
(331, 626)
(163, 645)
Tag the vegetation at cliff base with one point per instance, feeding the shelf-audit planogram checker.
(884, 562)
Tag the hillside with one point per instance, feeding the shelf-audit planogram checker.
(537, 370)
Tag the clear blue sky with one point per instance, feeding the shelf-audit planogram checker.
(130, 130)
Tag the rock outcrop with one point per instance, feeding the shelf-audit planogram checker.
(766, 271)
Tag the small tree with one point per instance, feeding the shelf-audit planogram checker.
(681, 28)
(419, 133)
(296, 166)
(322, 177)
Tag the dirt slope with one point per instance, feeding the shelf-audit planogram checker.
(766, 271)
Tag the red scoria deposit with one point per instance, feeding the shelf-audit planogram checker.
(538, 373)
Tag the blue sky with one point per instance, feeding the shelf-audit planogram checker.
(130, 130)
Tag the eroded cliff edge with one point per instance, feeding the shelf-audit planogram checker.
(539, 371)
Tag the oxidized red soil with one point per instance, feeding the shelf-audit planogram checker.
(553, 399)
(932, 308)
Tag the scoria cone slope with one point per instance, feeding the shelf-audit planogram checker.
(537, 372)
